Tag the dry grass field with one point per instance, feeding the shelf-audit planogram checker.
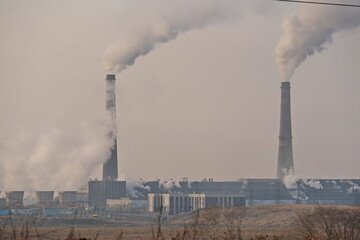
(236, 223)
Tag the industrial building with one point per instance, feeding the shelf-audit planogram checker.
(2, 203)
(66, 205)
(110, 195)
(123, 203)
(100, 191)
(67, 198)
(274, 191)
(44, 198)
(187, 196)
(14, 198)
(224, 200)
(172, 204)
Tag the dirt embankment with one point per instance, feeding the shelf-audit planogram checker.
(271, 219)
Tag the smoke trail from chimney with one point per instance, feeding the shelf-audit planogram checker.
(308, 31)
(163, 21)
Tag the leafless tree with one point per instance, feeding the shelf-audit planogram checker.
(331, 223)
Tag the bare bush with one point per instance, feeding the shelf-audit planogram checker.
(211, 224)
(329, 223)
(220, 223)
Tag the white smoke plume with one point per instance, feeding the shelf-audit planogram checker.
(314, 184)
(309, 30)
(161, 21)
(29, 198)
(48, 143)
(132, 186)
(244, 183)
(290, 180)
(353, 187)
(53, 157)
(169, 184)
(335, 185)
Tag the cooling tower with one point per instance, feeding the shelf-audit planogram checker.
(110, 167)
(285, 163)
(14, 198)
(2, 202)
(44, 198)
(67, 198)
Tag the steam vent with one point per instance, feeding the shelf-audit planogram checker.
(110, 167)
(285, 156)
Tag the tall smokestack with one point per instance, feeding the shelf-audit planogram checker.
(110, 167)
(285, 157)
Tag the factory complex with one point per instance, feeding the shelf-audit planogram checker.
(104, 198)
(109, 197)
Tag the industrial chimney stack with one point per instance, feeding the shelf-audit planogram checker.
(110, 167)
(285, 157)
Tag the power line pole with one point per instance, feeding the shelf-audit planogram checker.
(320, 3)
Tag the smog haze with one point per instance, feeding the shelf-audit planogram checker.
(201, 100)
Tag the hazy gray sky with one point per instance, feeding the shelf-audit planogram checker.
(203, 105)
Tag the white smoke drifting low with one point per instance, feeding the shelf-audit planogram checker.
(169, 184)
(292, 183)
(46, 143)
(309, 30)
(335, 185)
(133, 185)
(163, 21)
(244, 183)
(353, 187)
(314, 184)
(53, 156)
(291, 180)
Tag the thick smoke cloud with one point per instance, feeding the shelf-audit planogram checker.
(54, 132)
(308, 31)
(163, 21)
(53, 156)
(54, 127)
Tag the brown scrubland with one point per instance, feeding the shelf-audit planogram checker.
(275, 222)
